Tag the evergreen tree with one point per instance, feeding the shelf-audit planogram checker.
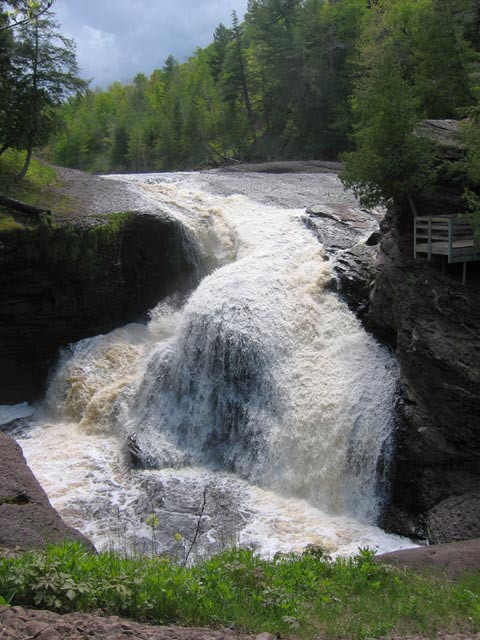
(390, 163)
(44, 73)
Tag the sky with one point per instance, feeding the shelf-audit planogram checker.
(116, 39)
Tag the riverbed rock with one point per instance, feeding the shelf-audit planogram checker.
(454, 559)
(27, 519)
(64, 282)
(339, 227)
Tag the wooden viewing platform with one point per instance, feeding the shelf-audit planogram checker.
(448, 235)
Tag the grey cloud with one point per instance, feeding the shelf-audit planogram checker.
(118, 38)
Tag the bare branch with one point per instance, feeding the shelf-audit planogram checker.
(199, 522)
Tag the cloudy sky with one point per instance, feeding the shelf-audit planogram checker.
(118, 38)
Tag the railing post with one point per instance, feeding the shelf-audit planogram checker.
(415, 239)
(429, 240)
(450, 240)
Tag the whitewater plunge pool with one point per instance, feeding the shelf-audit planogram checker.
(259, 404)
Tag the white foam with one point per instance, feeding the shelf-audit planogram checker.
(263, 372)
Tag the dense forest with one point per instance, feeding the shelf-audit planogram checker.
(294, 79)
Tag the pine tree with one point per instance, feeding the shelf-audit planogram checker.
(46, 73)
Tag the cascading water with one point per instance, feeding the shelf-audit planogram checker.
(262, 378)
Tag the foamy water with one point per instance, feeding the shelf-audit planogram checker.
(262, 389)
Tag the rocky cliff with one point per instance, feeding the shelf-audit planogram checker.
(433, 323)
(66, 281)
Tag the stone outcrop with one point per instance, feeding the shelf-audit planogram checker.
(455, 518)
(27, 519)
(433, 322)
(61, 283)
(453, 560)
(445, 134)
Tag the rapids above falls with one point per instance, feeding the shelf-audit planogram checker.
(259, 401)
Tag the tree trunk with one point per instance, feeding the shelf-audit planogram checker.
(17, 205)
(26, 164)
(34, 126)
(4, 147)
(243, 78)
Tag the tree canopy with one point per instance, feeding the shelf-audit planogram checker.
(38, 72)
(293, 79)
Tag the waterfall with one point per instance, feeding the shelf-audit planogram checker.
(263, 376)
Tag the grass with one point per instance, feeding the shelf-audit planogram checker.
(308, 595)
(32, 187)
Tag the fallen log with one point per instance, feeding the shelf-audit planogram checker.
(17, 205)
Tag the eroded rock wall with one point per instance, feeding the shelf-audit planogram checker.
(433, 321)
(64, 283)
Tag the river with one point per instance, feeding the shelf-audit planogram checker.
(262, 410)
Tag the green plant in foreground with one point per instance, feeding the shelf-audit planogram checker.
(307, 594)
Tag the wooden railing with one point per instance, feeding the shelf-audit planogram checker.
(447, 235)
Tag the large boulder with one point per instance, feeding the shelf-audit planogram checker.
(453, 560)
(27, 519)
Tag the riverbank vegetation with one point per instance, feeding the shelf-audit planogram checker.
(295, 79)
(40, 176)
(308, 595)
(298, 79)
(38, 71)
(34, 189)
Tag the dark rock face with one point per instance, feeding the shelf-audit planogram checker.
(355, 269)
(27, 519)
(434, 324)
(446, 136)
(339, 227)
(61, 285)
(455, 518)
(343, 232)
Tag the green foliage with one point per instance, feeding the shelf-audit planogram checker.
(391, 162)
(296, 78)
(473, 211)
(307, 595)
(33, 189)
(471, 165)
(415, 63)
(275, 85)
(38, 71)
(442, 56)
(84, 253)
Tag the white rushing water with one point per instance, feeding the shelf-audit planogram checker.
(262, 388)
